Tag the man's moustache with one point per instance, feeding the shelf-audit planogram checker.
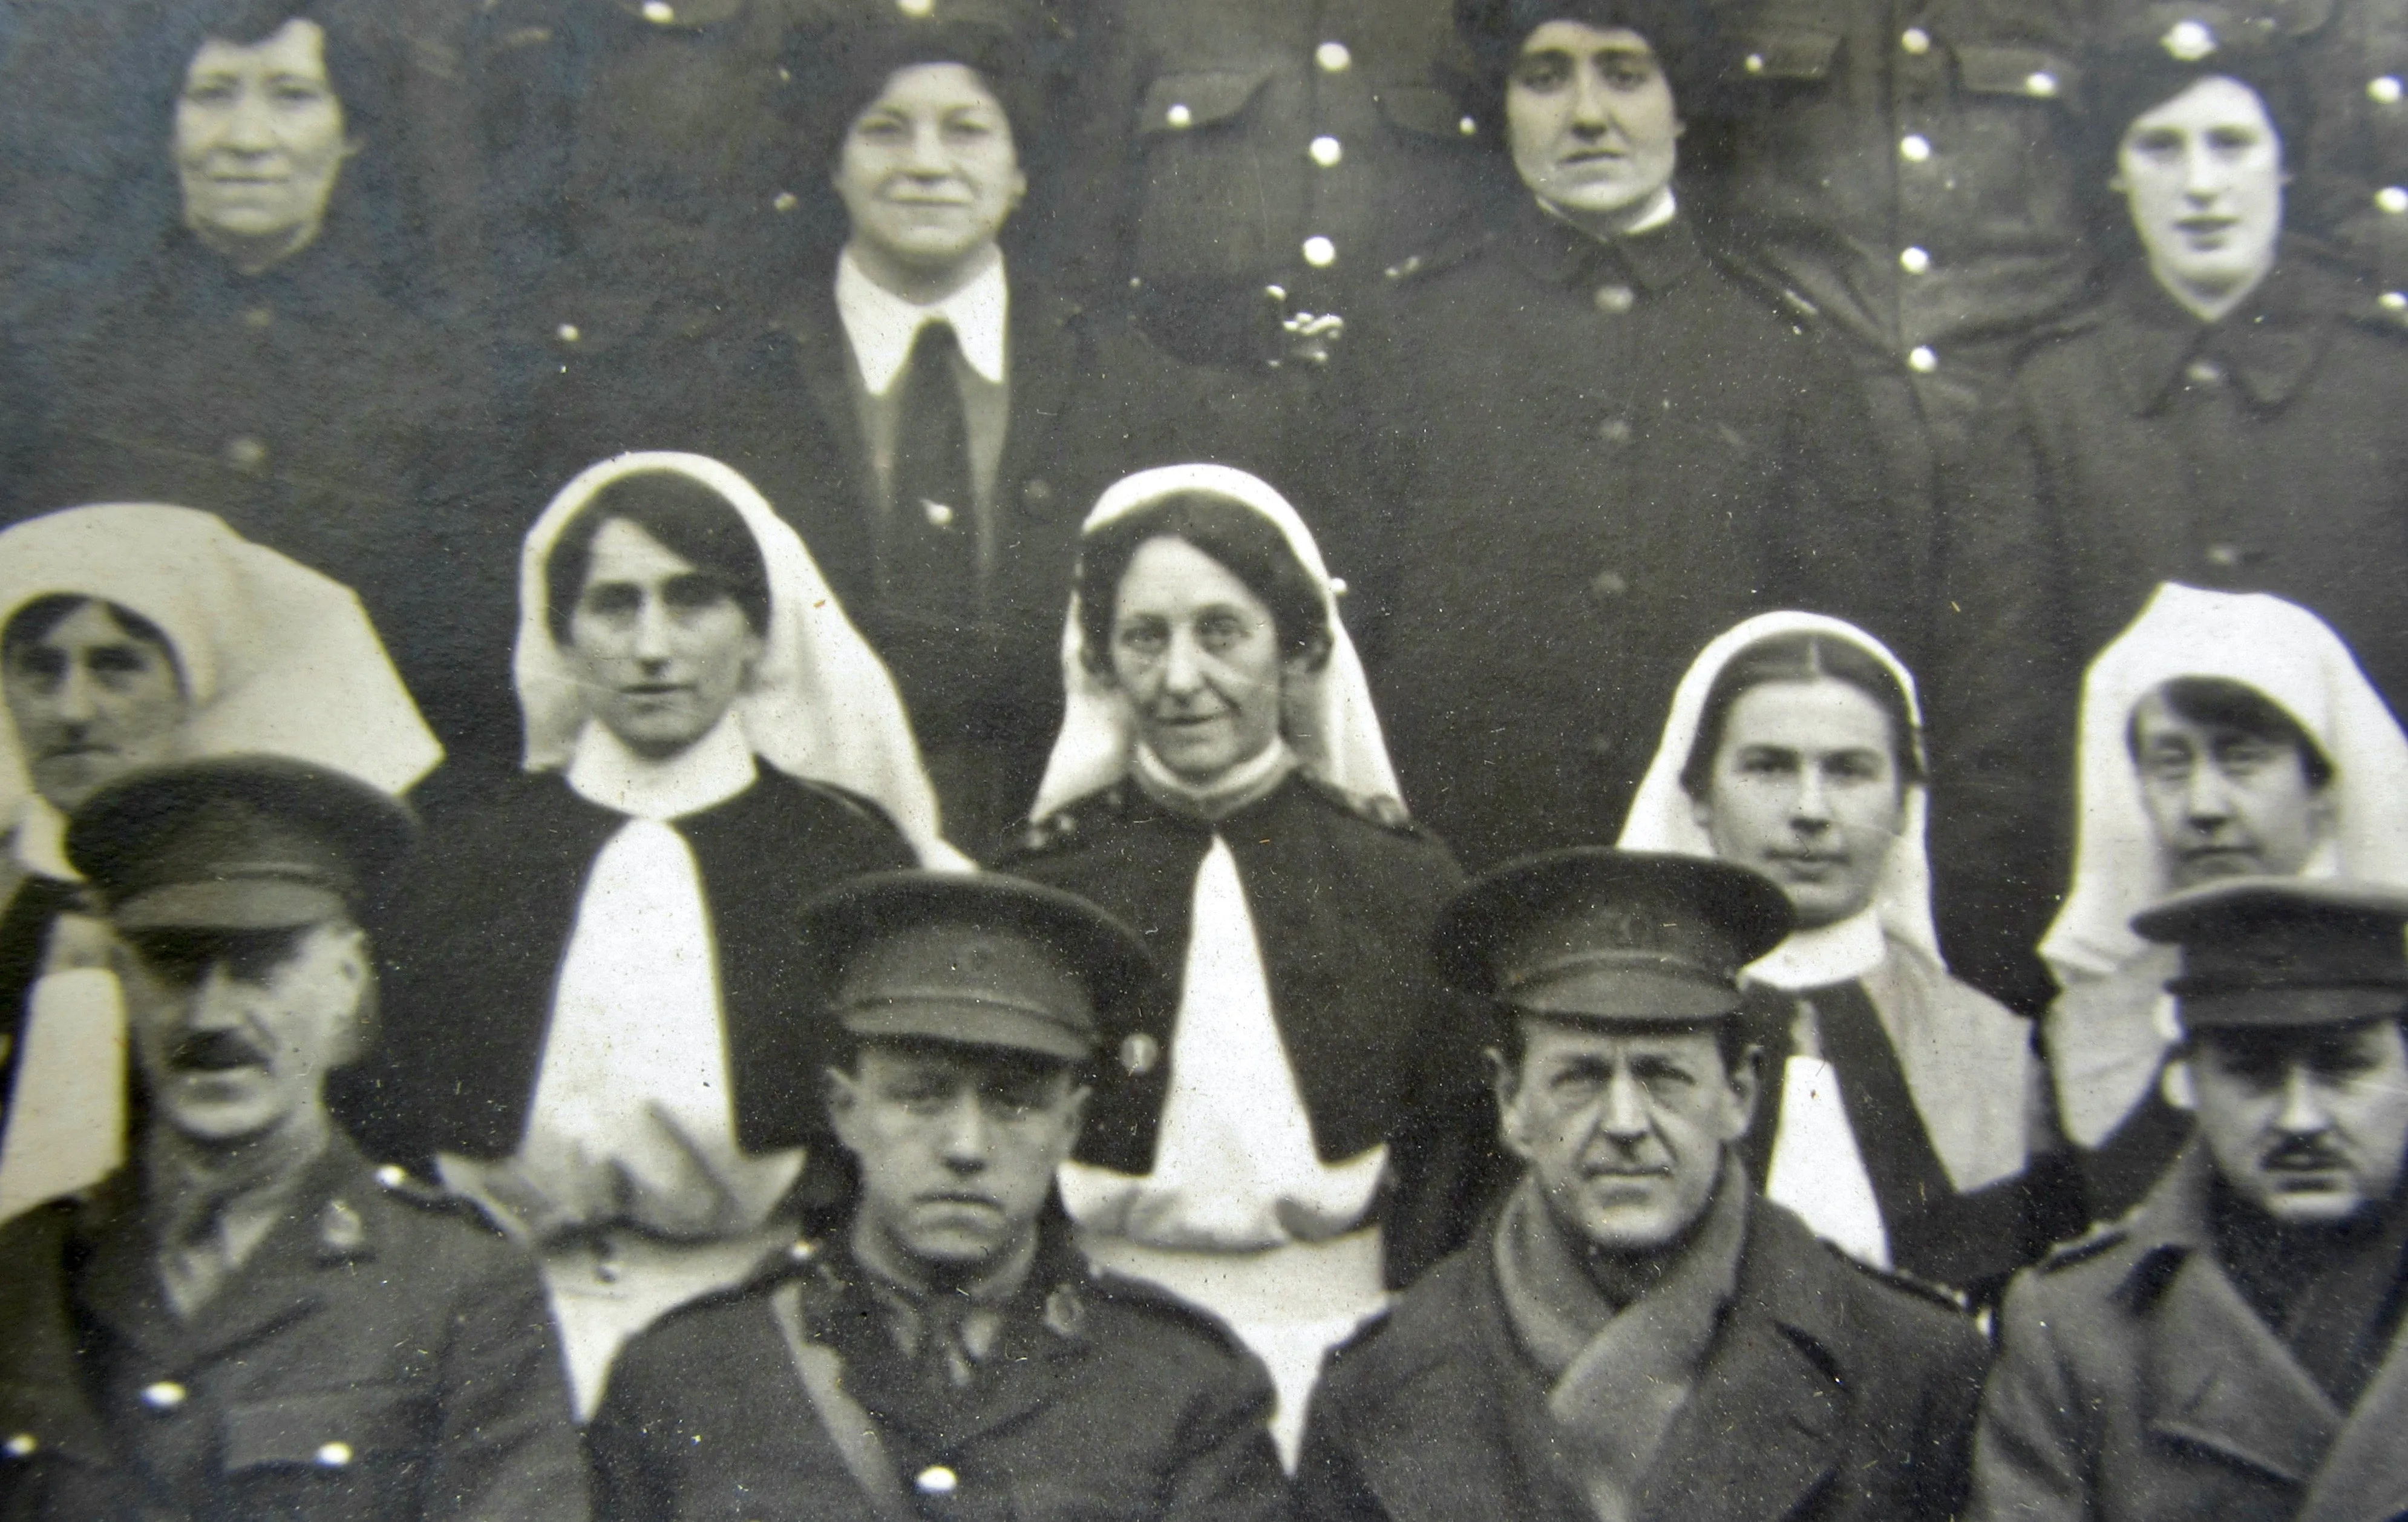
(215, 1051)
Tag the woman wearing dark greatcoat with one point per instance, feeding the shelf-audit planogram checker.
(1220, 784)
(2227, 417)
(1591, 448)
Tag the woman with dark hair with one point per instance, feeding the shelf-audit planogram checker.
(2224, 417)
(1902, 1107)
(921, 405)
(274, 354)
(592, 1036)
(1589, 445)
(1220, 784)
(133, 635)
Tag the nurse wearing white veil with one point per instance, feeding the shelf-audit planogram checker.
(1248, 1155)
(2111, 1028)
(1898, 1111)
(265, 656)
(590, 1030)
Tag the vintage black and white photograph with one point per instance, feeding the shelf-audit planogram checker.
(1203, 760)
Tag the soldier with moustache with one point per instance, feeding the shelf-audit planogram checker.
(1636, 1334)
(2232, 1348)
(249, 1319)
(947, 1353)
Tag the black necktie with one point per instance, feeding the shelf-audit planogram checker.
(928, 554)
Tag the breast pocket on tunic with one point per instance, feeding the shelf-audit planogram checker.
(360, 1452)
(1202, 180)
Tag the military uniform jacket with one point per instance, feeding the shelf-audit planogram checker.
(2134, 1382)
(472, 953)
(1863, 133)
(1213, 141)
(1826, 1393)
(1105, 1399)
(380, 1357)
(1587, 459)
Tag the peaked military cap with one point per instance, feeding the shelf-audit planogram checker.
(1592, 934)
(2285, 951)
(2149, 55)
(243, 842)
(977, 960)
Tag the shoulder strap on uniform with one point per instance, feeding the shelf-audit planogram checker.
(849, 1425)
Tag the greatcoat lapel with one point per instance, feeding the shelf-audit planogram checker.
(1756, 1438)
(2365, 1473)
(824, 356)
(2214, 1376)
(40, 1389)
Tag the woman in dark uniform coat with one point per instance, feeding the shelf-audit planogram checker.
(274, 356)
(2227, 417)
(1593, 451)
(1220, 785)
(592, 1035)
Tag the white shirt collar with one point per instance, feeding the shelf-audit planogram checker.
(1661, 209)
(40, 843)
(882, 325)
(1826, 955)
(710, 771)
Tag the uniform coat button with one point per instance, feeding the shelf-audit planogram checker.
(1914, 261)
(166, 1395)
(244, 452)
(1320, 252)
(1615, 300)
(2392, 200)
(1922, 359)
(2204, 372)
(1333, 57)
(21, 1445)
(2385, 90)
(1614, 430)
(1326, 151)
(1915, 40)
(2226, 556)
(935, 1480)
(1609, 583)
(1180, 116)
(1037, 493)
(1915, 147)
(332, 1455)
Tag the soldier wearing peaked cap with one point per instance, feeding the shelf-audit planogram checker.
(1636, 1335)
(249, 1319)
(949, 1354)
(2233, 1347)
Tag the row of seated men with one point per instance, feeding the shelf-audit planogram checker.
(247, 1317)
(1971, 327)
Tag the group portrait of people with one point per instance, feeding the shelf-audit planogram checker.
(1203, 760)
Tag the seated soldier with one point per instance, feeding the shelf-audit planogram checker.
(2223, 734)
(248, 1320)
(1638, 1335)
(2232, 1348)
(949, 1341)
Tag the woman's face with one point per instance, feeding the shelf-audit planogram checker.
(259, 141)
(928, 172)
(1197, 654)
(661, 649)
(2204, 175)
(1805, 789)
(1590, 120)
(92, 702)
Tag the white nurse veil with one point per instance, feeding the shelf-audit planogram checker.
(821, 704)
(2275, 648)
(1326, 716)
(275, 658)
(1662, 819)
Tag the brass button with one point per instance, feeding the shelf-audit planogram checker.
(1914, 261)
(1320, 252)
(1326, 151)
(21, 1445)
(784, 201)
(332, 1455)
(244, 452)
(1614, 430)
(166, 1395)
(935, 1480)
(1617, 298)
(2204, 372)
(1915, 40)
(2385, 90)
(1915, 147)
(1333, 57)
(1609, 583)
(1037, 493)
(1922, 359)
(2226, 556)
(660, 13)
(2391, 200)
(940, 515)
(1179, 115)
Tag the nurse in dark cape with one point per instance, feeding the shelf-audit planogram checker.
(1900, 1106)
(1220, 785)
(590, 1034)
